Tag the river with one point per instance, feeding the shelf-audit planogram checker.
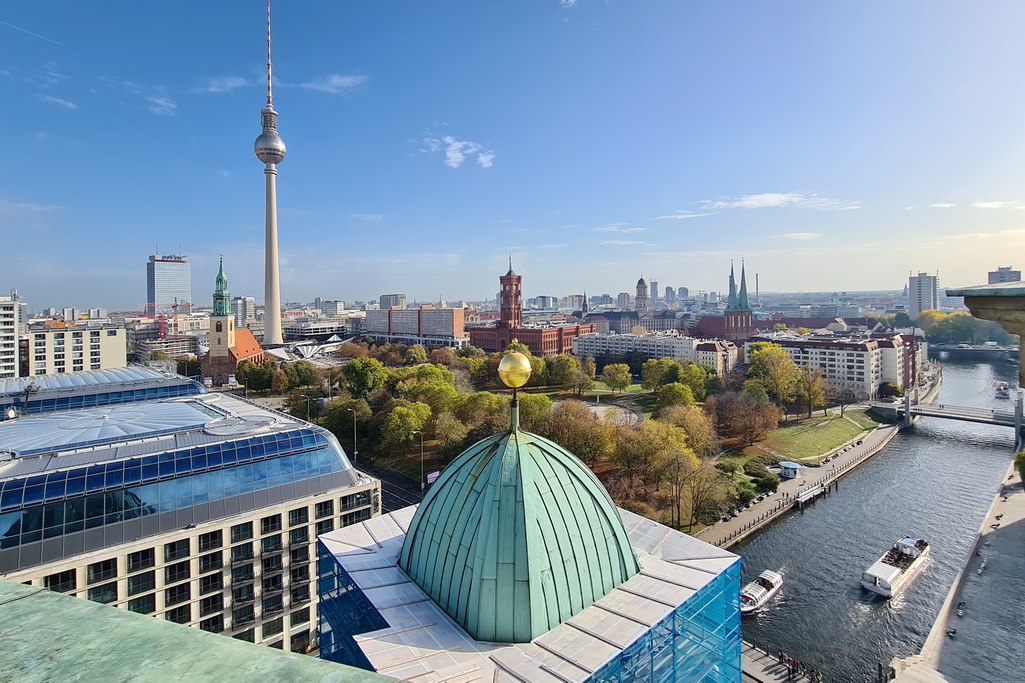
(935, 481)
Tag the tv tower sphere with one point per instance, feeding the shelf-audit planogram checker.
(269, 147)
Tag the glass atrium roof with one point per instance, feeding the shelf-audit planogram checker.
(86, 378)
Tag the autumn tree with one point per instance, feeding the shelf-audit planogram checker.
(415, 355)
(443, 355)
(533, 409)
(278, 381)
(352, 350)
(363, 376)
(678, 468)
(811, 389)
(643, 450)
(695, 423)
(708, 493)
(617, 376)
(773, 367)
(673, 394)
(576, 428)
(451, 433)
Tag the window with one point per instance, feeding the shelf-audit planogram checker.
(176, 572)
(214, 624)
(269, 525)
(105, 594)
(298, 516)
(241, 553)
(324, 508)
(355, 500)
(243, 594)
(300, 594)
(242, 574)
(272, 604)
(241, 532)
(299, 555)
(350, 518)
(210, 604)
(272, 628)
(176, 594)
(242, 615)
(211, 583)
(179, 615)
(210, 541)
(325, 525)
(299, 536)
(248, 636)
(140, 583)
(300, 616)
(272, 564)
(299, 575)
(143, 559)
(270, 544)
(147, 604)
(208, 563)
(176, 550)
(101, 571)
(300, 641)
(273, 584)
(62, 582)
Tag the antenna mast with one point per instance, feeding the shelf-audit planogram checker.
(270, 97)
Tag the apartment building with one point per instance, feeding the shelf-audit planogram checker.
(846, 363)
(10, 318)
(425, 325)
(718, 355)
(58, 348)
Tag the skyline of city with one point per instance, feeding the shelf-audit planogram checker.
(423, 175)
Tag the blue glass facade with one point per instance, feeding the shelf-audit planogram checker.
(344, 613)
(699, 642)
(53, 504)
(44, 404)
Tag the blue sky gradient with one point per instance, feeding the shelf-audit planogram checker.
(835, 146)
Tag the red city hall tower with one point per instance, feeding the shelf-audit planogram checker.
(510, 308)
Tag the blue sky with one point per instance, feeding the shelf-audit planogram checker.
(835, 146)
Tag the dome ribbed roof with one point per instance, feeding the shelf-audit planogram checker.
(515, 537)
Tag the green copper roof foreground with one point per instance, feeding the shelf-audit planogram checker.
(515, 537)
(222, 299)
(742, 303)
(731, 303)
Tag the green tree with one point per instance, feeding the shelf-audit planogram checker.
(518, 346)
(617, 376)
(582, 381)
(695, 376)
(1019, 464)
(339, 421)
(441, 396)
(811, 389)
(451, 434)
(654, 372)
(562, 370)
(533, 409)
(576, 428)
(538, 372)
(778, 374)
(673, 394)
(278, 381)
(701, 436)
(158, 355)
(643, 450)
(305, 373)
(755, 389)
(363, 376)
(415, 355)
(401, 422)
(297, 404)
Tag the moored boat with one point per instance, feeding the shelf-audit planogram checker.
(755, 594)
(1003, 390)
(890, 573)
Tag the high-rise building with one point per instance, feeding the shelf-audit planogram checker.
(654, 291)
(1004, 274)
(392, 301)
(244, 308)
(682, 293)
(641, 301)
(270, 149)
(168, 283)
(10, 324)
(670, 295)
(200, 510)
(623, 300)
(922, 294)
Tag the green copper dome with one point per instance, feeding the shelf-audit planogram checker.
(515, 537)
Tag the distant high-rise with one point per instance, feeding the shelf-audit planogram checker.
(244, 308)
(10, 322)
(1004, 274)
(922, 294)
(623, 300)
(641, 301)
(654, 290)
(670, 295)
(682, 293)
(168, 282)
(270, 149)
(392, 301)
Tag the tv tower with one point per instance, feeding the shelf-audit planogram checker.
(270, 149)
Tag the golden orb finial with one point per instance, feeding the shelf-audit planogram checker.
(514, 370)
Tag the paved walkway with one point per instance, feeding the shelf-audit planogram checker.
(725, 534)
(761, 667)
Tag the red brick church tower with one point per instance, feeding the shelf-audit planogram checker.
(739, 323)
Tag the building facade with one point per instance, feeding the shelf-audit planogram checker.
(425, 325)
(210, 525)
(56, 348)
(923, 294)
(846, 364)
(168, 283)
(1004, 274)
(392, 301)
(720, 356)
(10, 326)
(244, 309)
(642, 302)
(229, 345)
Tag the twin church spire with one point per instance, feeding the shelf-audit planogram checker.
(738, 302)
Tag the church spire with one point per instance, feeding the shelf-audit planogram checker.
(731, 303)
(222, 298)
(742, 302)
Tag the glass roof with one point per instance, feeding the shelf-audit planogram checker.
(86, 378)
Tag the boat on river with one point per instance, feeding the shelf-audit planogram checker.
(755, 594)
(890, 573)
(1003, 390)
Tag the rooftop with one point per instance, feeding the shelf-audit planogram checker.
(1000, 289)
(48, 636)
(112, 377)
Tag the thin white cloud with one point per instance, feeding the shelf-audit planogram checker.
(568, 3)
(768, 200)
(943, 205)
(335, 84)
(10, 210)
(161, 105)
(365, 216)
(991, 205)
(618, 227)
(799, 235)
(67, 104)
(223, 84)
(456, 151)
(682, 215)
(553, 246)
(970, 236)
(625, 243)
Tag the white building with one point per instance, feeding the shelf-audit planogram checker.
(10, 318)
(846, 364)
(55, 350)
(244, 308)
(922, 294)
(721, 356)
(425, 325)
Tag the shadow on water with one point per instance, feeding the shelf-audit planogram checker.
(935, 482)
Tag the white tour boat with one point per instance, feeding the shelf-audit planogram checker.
(1003, 390)
(891, 572)
(760, 591)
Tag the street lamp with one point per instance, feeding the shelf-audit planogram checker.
(354, 451)
(417, 431)
(307, 405)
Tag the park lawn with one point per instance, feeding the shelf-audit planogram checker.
(646, 404)
(863, 418)
(809, 439)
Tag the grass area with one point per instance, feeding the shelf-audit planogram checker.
(645, 404)
(863, 418)
(808, 439)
